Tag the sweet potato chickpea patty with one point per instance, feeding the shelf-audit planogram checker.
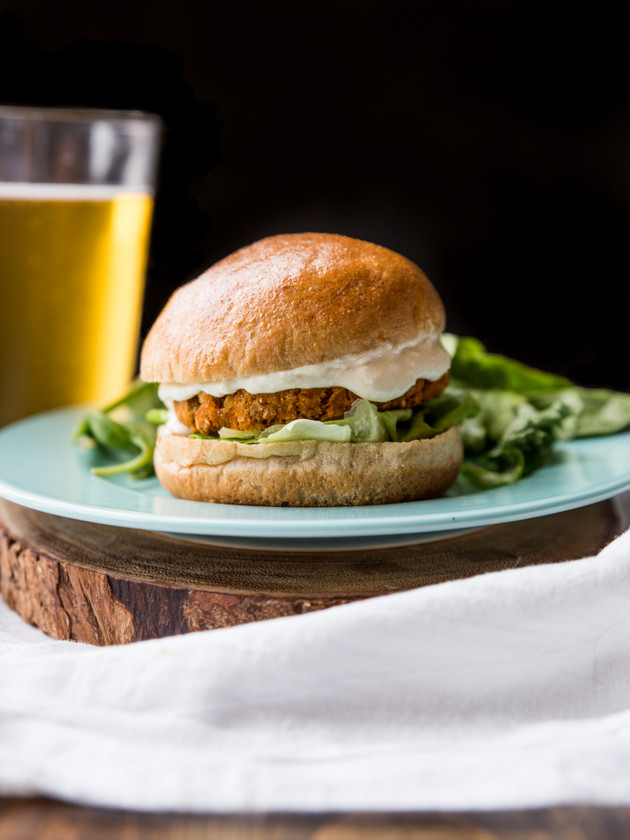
(248, 412)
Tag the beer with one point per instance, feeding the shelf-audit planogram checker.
(72, 265)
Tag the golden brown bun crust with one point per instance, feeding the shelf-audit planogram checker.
(308, 473)
(288, 301)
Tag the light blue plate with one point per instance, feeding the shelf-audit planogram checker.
(41, 468)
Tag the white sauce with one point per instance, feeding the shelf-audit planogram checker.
(173, 425)
(378, 375)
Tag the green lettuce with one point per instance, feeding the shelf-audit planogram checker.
(511, 417)
(473, 365)
(364, 423)
(125, 431)
(523, 412)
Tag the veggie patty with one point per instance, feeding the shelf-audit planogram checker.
(248, 412)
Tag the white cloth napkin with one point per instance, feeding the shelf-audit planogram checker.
(508, 690)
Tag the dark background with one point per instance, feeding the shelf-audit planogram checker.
(487, 141)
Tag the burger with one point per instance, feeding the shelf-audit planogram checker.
(304, 370)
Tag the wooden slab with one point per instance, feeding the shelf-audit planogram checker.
(41, 819)
(106, 585)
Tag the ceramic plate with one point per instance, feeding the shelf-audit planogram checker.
(41, 468)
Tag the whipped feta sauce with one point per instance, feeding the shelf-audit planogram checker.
(378, 375)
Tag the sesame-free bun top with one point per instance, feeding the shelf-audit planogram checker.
(288, 301)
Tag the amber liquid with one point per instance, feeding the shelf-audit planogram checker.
(72, 268)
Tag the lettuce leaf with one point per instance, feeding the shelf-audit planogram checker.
(512, 435)
(438, 415)
(472, 364)
(522, 413)
(604, 412)
(364, 423)
(303, 429)
(125, 430)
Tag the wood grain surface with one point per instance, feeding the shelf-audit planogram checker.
(40, 819)
(106, 585)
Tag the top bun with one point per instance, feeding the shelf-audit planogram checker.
(288, 301)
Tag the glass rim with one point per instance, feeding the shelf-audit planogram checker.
(49, 113)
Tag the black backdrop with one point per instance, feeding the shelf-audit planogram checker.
(488, 141)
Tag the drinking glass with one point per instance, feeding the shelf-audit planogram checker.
(76, 202)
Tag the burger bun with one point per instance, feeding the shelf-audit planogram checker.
(308, 473)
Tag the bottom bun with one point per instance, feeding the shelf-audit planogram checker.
(307, 473)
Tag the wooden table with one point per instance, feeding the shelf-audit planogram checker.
(39, 819)
(104, 585)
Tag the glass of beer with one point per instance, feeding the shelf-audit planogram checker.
(76, 200)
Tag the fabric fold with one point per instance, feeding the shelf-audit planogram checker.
(506, 690)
